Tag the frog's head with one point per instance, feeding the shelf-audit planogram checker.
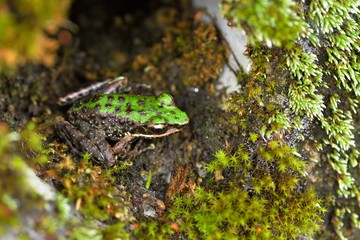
(168, 115)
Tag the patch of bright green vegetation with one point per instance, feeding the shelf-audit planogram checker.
(339, 71)
(273, 22)
(324, 81)
(262, 200)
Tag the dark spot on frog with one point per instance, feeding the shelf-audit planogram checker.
(108, 105)
(129, 110)
(117, 110)
(173, 112)
(159, 114)
(129, 107)
(121, 99)
(110, 99)
(140, 102)
(97, 108)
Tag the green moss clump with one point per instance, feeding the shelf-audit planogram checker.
(267, 202)
(272, 22)
(322, 75)
(263, 200)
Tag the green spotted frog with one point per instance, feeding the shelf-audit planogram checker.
(119, 118)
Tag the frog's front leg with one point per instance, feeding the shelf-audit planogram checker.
(120, 146)
(91, 141)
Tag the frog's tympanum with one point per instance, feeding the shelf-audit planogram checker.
(118, 118)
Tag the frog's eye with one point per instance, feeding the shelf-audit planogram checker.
(166, 99)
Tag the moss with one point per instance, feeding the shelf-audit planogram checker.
(154, 229)
(18, 196)
(262, 200)
(94, 193)
(256, 186)
(322, 82)
(185, 46)
(88, 187)
(273, 22)
(256, 191)
(114, 231)
(24, 22)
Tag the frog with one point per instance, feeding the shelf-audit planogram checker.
(94, 122)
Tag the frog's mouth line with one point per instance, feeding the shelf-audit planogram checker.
(168, 132)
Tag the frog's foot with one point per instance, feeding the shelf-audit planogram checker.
(120, 146)
(101, 151)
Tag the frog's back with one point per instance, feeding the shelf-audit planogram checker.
(137, 109)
